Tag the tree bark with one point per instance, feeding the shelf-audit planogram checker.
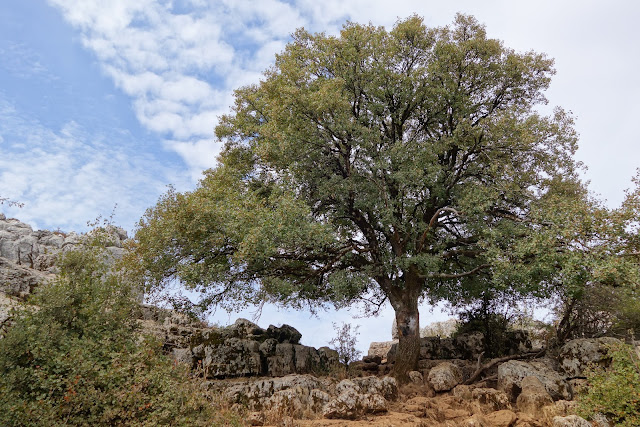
(405, 304)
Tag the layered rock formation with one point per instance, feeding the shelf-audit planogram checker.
(27, 257)
(244, 349)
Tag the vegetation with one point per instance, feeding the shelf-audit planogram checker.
(615, 391)
(76, 358)
(387, 167)
(345, 342)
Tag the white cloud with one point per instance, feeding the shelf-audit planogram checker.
(68, 176)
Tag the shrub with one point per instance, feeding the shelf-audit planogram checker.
(77, 358)
(614, 391)
(345, 342)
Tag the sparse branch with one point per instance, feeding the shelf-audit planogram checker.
(456, 276)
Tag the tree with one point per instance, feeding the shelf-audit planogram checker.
(377, 166)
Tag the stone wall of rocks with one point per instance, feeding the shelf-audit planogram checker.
(244, 349)
(464, 346)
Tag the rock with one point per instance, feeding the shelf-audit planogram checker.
(463, 392)
(377, 359)
(245, 349)
(511, 374)
(360, 396)
(445, 376)
(577, 354)
(183, 355)
(387, 387)
(492, 399)
(380, 349)
(503, 418)
(416, 377)
(570, 421)
(284, 334)
(256, 418)
(476, 420)
(350, 405)
(256, 393)
(27, 257)
(534, 396)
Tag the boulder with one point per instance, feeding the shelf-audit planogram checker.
(491, 399)
(511, 374)
(577, 354)
(534, 396)
(503, 418)
(350, 405)
(27, 257)
(445, 376)
(380, 349)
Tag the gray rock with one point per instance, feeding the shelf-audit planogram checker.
(445, 376)
(350, 405)
(577, 354)
(511, 374)
(534, 396)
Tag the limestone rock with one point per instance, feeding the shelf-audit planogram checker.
(490, 398)
(350, 405)
(416, 377)
(445, 376)
(577, 354)
(534, 396)
(570, 421)
(503, 418)
(511, 374)
(381, 349)
(27, 257)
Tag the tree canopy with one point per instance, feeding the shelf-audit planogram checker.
(381, 166)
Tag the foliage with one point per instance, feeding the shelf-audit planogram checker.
(384, 166)
(486, 319)
(615, 391)
(345, 342)
(76, 358)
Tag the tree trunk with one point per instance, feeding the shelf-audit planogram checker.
(408, 323)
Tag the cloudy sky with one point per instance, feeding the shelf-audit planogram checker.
(105, 103)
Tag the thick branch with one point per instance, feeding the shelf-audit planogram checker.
(494, 362)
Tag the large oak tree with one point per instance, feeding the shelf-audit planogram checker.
(377, 166)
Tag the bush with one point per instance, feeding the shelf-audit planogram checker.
(345, 342)
(77, 358)
(615, 391)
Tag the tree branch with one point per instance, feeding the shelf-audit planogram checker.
(458, 275)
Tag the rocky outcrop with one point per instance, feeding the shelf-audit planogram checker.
(463, 346)
(244, 349)
(295, 395)
(445, 376)
(27, 257)
(577, 354)
(534, 396)
(512, 373)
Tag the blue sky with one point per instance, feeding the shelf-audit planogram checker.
(105, 103)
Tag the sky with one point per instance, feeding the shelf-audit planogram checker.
(103, 104)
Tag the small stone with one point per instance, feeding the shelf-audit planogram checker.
(416, 377)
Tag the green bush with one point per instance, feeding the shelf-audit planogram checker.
(614, 391)
(75, 357)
